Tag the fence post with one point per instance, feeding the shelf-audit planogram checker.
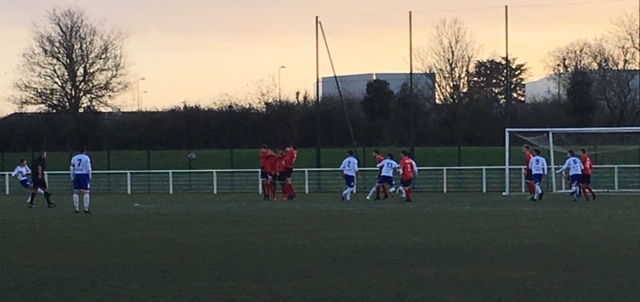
(128, 182)
(615, 178)
(6, 183)
(444, 180)
(484, 180)
(215, 182)
(306, 181)
(522, 181)
(259, 181)
(170, 182)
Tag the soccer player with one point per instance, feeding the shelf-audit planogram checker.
(386, 176)
(585, 179)
(81, 177)
(272, 174)
(282, 175)
(575, 173)
(527, 172)
(39, 182)
(21, 172)
(538, 168)
(289, 160)
(408, 170)
(349, 170)
(264, 177)
(379, 158)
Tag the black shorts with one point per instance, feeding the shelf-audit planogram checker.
(585, 179)
(282, 176)
(39, 183)
(272, 176)
(529, 176)
(288, 172)
(263, 174)
(406, 183)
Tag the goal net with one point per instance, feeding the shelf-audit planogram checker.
(614, 152)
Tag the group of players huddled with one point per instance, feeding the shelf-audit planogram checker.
(277, 166)
(407, 169)
(579, 173)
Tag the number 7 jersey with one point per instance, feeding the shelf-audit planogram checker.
(81, 164)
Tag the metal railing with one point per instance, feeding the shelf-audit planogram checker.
(429, 179)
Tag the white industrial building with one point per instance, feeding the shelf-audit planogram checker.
(355, 85)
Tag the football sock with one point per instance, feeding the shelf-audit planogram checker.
(590, 191)
(292, 190)
(373, 191)
(76, 202)
(47, 196)
(347, 196)
(384, 190)
(584, 192)
(538, 190)
(531, 188)
(408, 190)
(403, 191)
(377, 191)
(41, 192)
(33, 198)
(87, 201)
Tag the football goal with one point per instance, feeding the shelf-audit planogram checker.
(614, 151)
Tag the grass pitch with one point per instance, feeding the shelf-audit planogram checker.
(453, 247)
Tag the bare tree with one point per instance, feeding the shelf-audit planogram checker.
(450, 54)
(263, 91)
(72, 65)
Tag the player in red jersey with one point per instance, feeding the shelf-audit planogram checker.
(264, 177)
(527, 172)
(282, 175)
(585, 179)
(379, 158)
(289, 161)
(272, 173)
(407, 167)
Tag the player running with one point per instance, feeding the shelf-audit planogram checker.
(575, 173)
(81, 177)
(264, 177)
(289, 160)
(585, 179)
(39, 182)
(538, 168)
(527, 172)
(379, 158)
(408, 170)
(349, 170)
(386, 176)
(21, 172)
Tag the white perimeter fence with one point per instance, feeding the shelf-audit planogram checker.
(429, 179)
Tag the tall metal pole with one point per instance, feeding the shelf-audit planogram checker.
(508, 66)
(318, 127)
(413, 126)
(279, 85)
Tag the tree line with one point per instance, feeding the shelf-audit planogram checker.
(74, 68)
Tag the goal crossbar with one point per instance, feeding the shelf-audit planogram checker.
(550, 132)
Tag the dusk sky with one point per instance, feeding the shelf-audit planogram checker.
(204, 50)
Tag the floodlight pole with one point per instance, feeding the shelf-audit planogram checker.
(318, 126)
(552, 159)
(413, 126)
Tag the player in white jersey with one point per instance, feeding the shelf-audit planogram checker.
(81, 178)
(388, 166)
(575, 173)
(538, 167)
(349, 170)
(21, 172)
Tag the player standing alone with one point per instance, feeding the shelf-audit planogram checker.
(575, 173)
(527, 172)
(39, 181)
(379, 158)
(81, 178)
(349, 170)
(585, 179)
(538, 168)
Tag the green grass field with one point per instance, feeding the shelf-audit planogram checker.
(453, 247)
(330, 158)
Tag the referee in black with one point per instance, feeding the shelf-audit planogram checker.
(37, 169)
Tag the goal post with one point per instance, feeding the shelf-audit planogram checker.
(615, 152)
